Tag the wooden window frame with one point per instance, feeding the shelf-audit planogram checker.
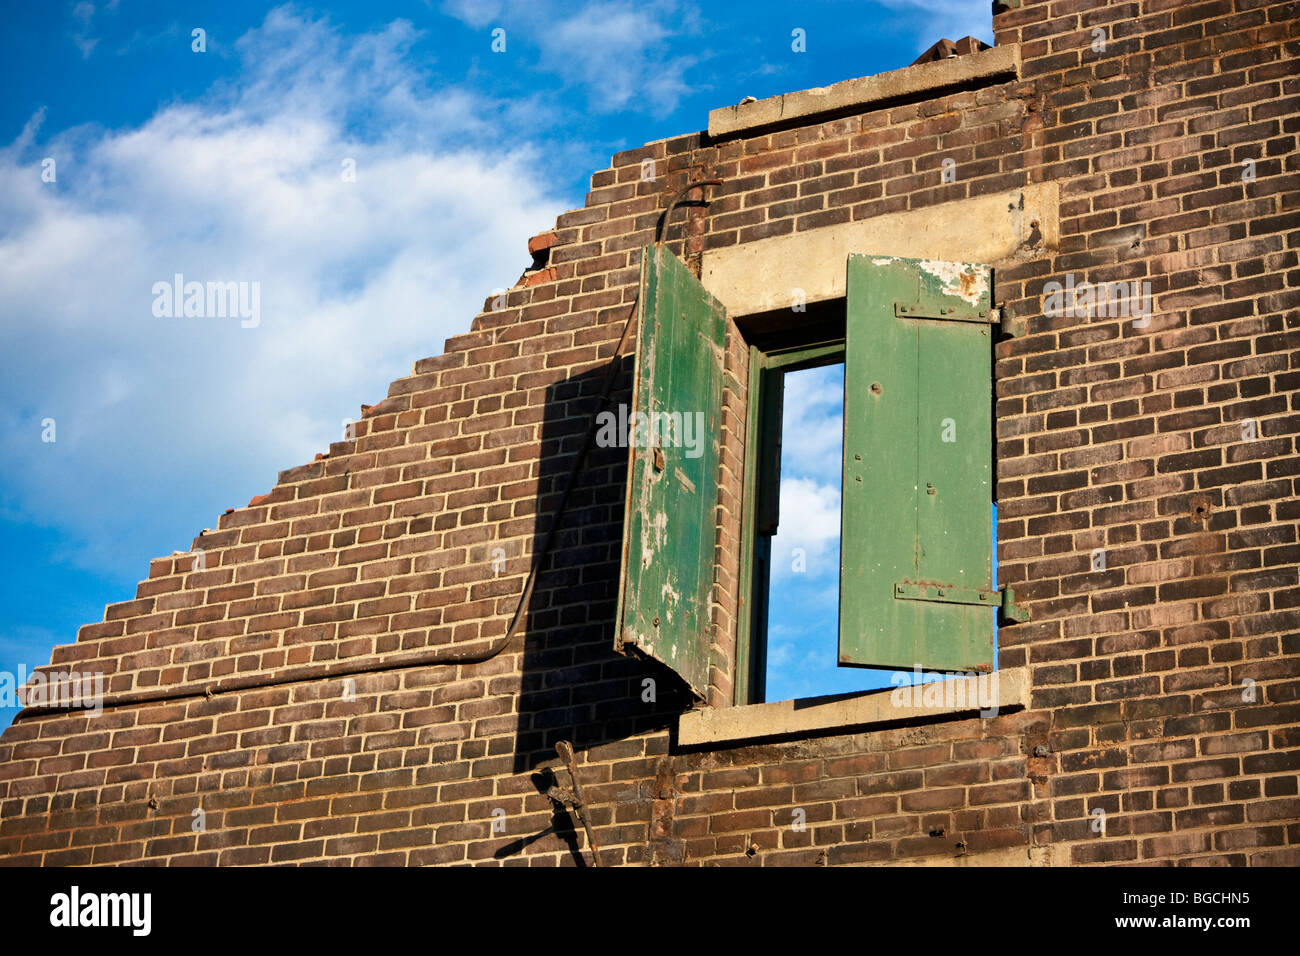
(763, 431)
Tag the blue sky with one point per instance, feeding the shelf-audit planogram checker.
(226, 163)
(803, 610)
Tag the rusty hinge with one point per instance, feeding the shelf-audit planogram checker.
(1009, 612)
(1010, 325)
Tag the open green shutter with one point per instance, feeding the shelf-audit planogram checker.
(916, 584)
(666, 589)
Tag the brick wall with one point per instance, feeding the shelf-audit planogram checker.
(284, 689)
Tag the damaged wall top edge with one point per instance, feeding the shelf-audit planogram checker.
(909, 81)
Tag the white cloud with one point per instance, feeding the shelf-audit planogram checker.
(810, 522)
(953, 19)
(474, 13)
(811, 463)
(83, 16)
(622, 53)
(160, 417)
(812, 428)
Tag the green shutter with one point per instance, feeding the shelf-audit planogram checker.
(666, 590)
(916, 583)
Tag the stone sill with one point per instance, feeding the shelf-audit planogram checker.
(1000, 61)
(1009, 689)
(1009, 856)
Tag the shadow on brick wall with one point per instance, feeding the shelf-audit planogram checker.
(575, 686)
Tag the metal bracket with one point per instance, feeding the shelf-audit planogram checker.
(564, 750)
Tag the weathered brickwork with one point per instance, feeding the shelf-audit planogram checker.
(285, 686)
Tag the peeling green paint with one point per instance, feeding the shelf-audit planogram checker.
(917, 484)
(666, 592)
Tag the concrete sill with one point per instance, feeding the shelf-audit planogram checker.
(959, 697)
(987, 65)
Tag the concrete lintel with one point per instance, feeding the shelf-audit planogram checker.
(996, 229)
(863, 91)
(959, 697)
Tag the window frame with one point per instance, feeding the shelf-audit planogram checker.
(924, 291)
(815, 351)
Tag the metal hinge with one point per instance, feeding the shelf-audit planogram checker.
(945, 594)
(1009, 612)
(941, 309)
(1004, 599)
(1009, 324)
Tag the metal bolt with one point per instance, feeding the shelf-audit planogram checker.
(1041, 751)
